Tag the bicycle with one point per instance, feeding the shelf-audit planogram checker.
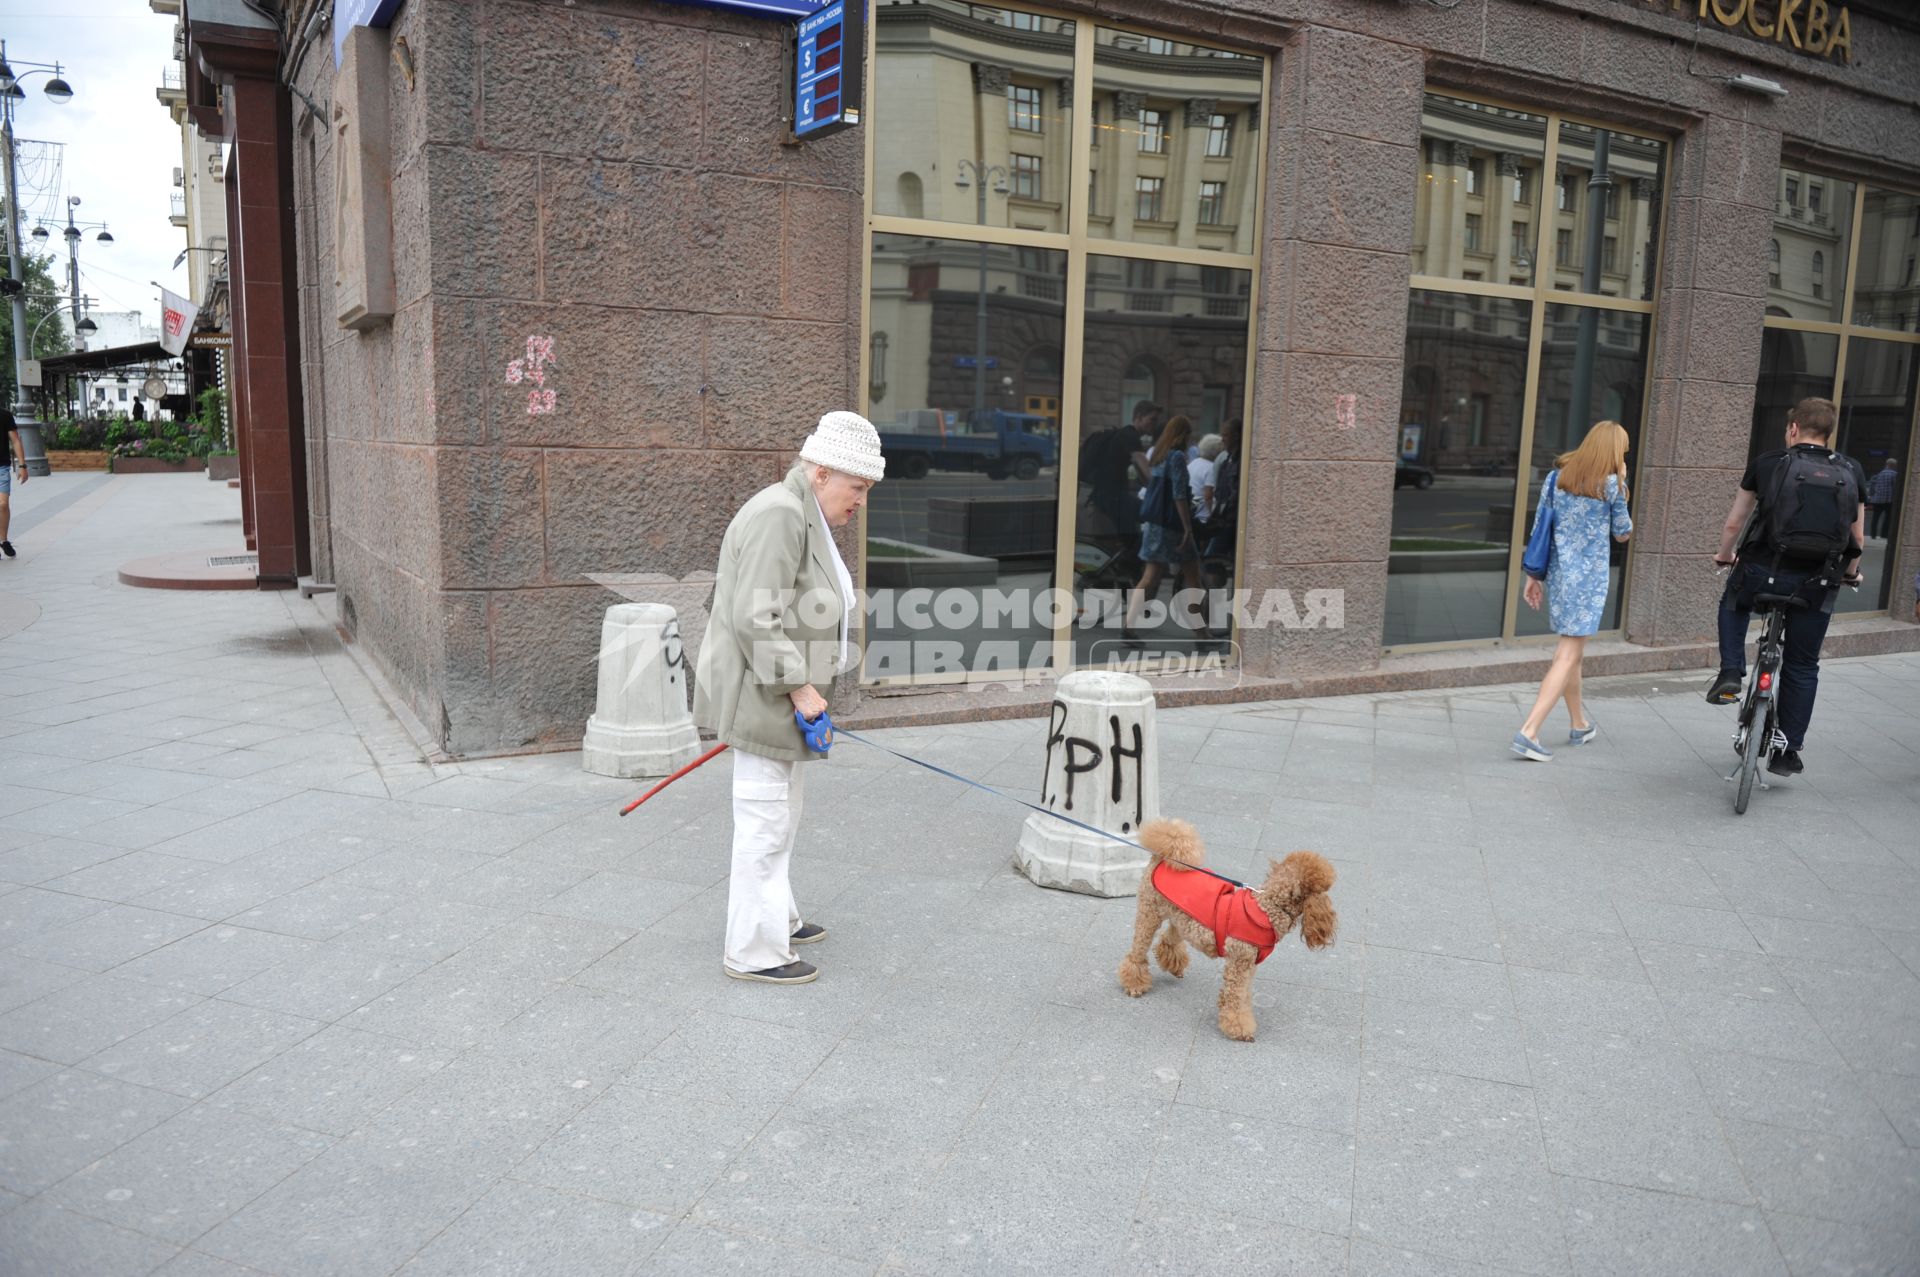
(1760, 698)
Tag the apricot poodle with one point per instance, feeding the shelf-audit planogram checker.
(1222, 920)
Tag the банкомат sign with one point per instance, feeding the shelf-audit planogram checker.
(1811, 26)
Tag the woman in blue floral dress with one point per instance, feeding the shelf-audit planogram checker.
(1587, 492)
(1167, 550)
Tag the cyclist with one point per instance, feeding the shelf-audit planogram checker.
(1804, 540)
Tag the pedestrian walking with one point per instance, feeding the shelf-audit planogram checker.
(778, 632)
(1168, 542)
(1583, 499)
(13, 459)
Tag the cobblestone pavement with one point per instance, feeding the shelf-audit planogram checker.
(277, 996)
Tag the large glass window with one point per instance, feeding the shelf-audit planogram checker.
(1851, 340)
(1565, 299)
(1459, 138)
(1813, 248)
(1179, 105)
(956, 90)
(1887, 295)
(973, 491)
(1876, 425)
(1178, 351)
(1461, 415)
(990, 380)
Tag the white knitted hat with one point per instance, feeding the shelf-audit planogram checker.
(846, 441)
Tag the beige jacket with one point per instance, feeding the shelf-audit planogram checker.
(775, 622)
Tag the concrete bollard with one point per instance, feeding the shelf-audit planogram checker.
(1102, 767)
(641, 725)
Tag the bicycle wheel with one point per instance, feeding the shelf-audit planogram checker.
(1758, 732)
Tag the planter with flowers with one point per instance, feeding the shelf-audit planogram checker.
(167, 447)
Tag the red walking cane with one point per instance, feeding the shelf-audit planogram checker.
(711, 754)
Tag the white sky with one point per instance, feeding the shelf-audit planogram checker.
(121, 144)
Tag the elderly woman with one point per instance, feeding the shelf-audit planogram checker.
(777, 634)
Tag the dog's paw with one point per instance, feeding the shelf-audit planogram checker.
(1135, 979)
(1238, 1027)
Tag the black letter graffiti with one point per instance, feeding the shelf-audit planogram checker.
(1068, 766)
(675, 653)
(1138, 755)
(1056, 721)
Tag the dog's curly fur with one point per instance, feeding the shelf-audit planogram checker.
(1295, 889)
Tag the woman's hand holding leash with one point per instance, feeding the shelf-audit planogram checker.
(808, 702)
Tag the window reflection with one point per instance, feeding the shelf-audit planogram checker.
(1171, 111)
(1808, 253)
(969, 423)
(1163, 340)
(1887, 292)
(1457, 458)
(1593, 367)
(1460, 141)
(971, 117)
(1610, 212)
(1793, 366)
(1876, 424)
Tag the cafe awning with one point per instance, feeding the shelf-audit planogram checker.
(83, 361)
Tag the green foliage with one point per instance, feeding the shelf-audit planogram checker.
(44, 299)
(212, 418)
(161, 440)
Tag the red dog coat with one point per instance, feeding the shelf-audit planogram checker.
(1232, 913)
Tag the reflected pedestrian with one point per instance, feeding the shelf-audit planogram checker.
(1172, 545)
(1880, 490)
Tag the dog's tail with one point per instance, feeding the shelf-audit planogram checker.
(1311, 878)
(1173, 840)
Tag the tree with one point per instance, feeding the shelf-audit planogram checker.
(43, 299)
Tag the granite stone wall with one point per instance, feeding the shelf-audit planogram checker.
(622, 304)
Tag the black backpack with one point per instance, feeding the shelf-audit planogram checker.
(1809, 514)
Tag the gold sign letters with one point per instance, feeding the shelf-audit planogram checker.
(1812, 26)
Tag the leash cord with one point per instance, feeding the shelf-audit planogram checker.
(1044, 811)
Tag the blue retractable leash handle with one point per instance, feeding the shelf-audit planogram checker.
(820, 733)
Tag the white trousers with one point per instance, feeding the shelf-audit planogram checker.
(761, 915)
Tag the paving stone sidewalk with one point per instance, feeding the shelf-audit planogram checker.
(278, 996)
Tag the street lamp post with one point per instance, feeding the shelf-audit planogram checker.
(83, 328)
(73, 232)
(32, 451)
(982, 174)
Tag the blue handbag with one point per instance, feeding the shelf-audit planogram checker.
(1158, 505)
(1539, 555)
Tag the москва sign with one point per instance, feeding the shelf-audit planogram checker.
(1811, 26)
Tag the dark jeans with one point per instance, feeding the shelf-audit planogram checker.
(1806, 629)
